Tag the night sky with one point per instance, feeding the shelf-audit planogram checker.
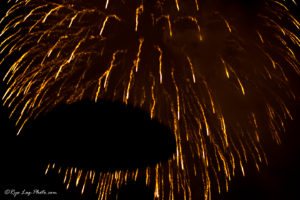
(24, 159)
(23, 166)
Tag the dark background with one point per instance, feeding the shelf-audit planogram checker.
(23, 168)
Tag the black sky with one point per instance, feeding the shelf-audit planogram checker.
(23, 169)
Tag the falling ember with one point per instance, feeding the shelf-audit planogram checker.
(84, 183)
(106, 4)
(160, 64)
(228, 25)
(177, 5)
(190, 65)
(153, 99)
(47, 169)
(105, 21)
(139, 11)
(177, 96)
(192, 69)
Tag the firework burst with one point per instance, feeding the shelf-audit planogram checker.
(217, 78)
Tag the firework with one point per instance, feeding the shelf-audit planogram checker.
(217, 77)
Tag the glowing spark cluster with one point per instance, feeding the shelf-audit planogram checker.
(103, 181)
(199, 69)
